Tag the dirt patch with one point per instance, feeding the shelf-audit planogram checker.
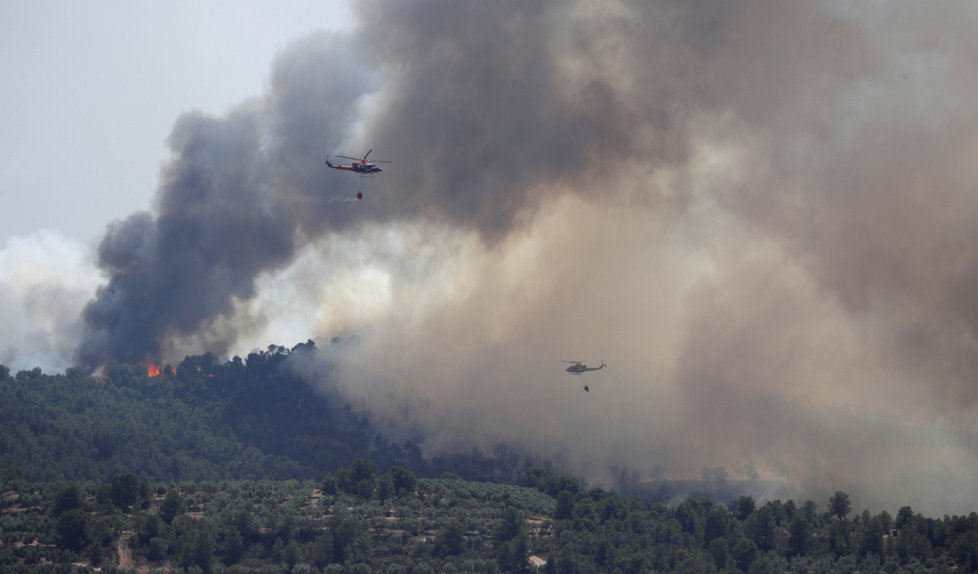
(123, 552)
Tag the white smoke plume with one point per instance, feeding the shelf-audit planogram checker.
(46, 279)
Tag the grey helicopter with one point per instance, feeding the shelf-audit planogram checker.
(579, 368)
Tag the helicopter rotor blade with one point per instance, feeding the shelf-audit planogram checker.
(368, 153)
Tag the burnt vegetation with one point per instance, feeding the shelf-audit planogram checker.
(240, 466)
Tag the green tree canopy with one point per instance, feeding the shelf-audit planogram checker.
(125, 490)
(839, 504)
(68, 498)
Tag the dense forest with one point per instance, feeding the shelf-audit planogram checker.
(361, 520)
(202, 420)
(240, 466)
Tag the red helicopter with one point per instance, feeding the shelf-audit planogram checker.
(361, 166)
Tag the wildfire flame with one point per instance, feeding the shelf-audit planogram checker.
(153, 370)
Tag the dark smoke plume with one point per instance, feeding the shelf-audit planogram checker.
(230, 206)
(761, 215)
(477, 102)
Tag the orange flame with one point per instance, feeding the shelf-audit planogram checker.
(153, 370)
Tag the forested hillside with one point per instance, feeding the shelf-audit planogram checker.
(200, 420)
(249, 418)
(240, 466)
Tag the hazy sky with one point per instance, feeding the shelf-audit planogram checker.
(761, 215)
(92, 90)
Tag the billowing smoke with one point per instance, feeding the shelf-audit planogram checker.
(233, 202)
(46, 279)
(761, 216)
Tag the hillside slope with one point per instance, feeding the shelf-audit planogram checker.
(202, 420)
